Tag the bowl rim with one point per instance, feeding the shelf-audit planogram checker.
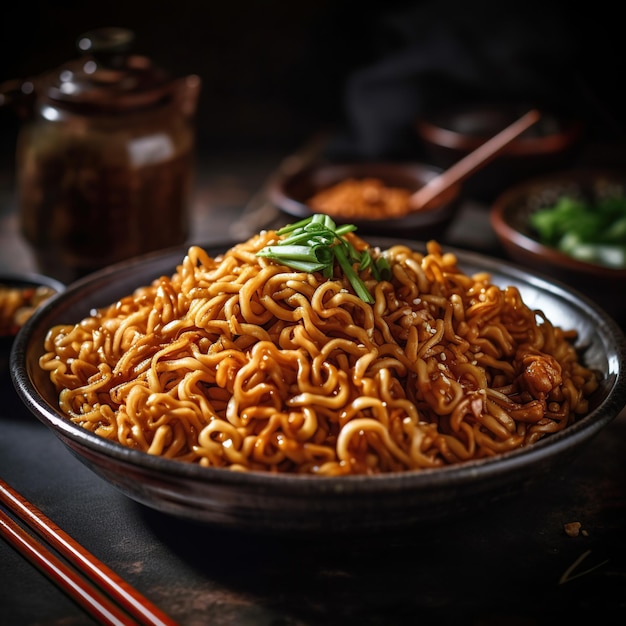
(512, 237)
(30, 278)
(525, 145)
(423, 479)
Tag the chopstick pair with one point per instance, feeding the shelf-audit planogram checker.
(95, 587)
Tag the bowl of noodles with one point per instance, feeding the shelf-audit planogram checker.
(219, 385)
(20, 295)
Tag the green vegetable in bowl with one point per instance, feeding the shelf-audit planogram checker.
(595, 233)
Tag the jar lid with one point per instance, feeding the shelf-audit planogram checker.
(107, 77)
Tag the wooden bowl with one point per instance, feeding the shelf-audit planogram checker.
(290, 193)
(449, 134)
(510, 219)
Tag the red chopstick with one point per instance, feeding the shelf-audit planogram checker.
(94, 601)
(107, 610)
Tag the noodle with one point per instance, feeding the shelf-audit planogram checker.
(243, 363)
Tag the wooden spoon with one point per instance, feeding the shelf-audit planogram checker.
(472, 162)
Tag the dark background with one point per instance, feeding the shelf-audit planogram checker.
(275, 71)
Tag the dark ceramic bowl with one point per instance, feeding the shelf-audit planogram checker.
(510, 219)
(290, 193)
(449, 134)
(22, 281)
(255, 501)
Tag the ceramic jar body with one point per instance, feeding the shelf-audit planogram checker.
(95, 190)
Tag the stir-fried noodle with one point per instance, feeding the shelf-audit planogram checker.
(240, 362)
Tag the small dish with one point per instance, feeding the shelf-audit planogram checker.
(449, 134)
(273, 502)
(291, 193)
(510, 219)
(20, 295)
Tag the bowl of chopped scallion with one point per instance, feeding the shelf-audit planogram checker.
(571, 226)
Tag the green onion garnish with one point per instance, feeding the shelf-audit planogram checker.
(315, 243)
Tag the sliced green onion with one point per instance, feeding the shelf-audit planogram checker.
(383, 267)
(357, 284)
(315, 243)
(296, 253)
